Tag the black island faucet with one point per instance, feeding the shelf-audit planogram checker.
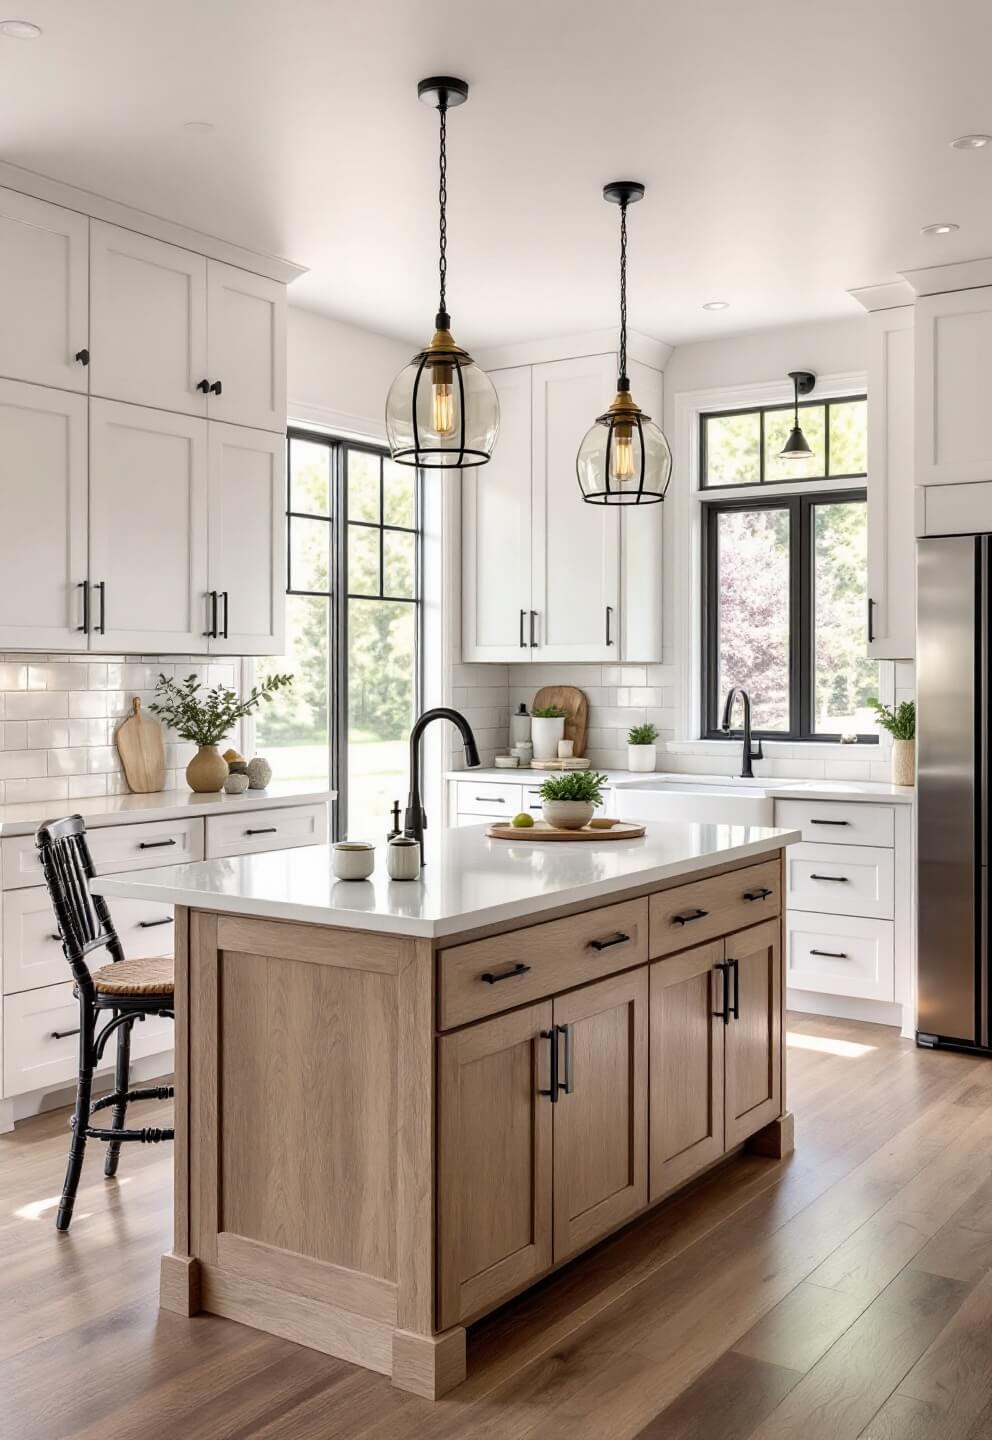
(749, 752)
(415, 820)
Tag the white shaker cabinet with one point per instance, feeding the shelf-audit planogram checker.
(891, 474)
(496, 533)
(954, 387)
(44, 289)
(247, 540)
(148, 530)
(246, 348)
(43, 504)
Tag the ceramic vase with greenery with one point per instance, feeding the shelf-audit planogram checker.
(205, 720)
(569, 800)
(642, 752)
(547, 727)
(901, 725)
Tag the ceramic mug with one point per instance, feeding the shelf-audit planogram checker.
(566, 749)
(353, 859)
(403, 858)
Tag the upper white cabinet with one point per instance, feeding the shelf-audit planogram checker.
(954, 387)
(891, 540)
(544, 575)
(43, 503)
(246, 348)
(148, 530)
(247, 540)
(44, 286)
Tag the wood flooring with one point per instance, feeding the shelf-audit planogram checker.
(845, 1292)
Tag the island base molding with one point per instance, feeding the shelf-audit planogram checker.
(378, 1143)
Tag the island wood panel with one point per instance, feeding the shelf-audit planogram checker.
(687, 1069)
(494, 1160)
(706, 909)
(753, 1055)
(601, 1122)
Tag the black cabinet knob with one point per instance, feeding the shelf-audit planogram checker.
(204, 386)
(83, 356)
(216, 388)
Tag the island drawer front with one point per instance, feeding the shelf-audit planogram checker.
(841, 879)
(114, 848)
(41, 1041)
(840, 955)
(255, 830)
(488, 799)
(692, 914)
(834, 822)
(32, 951)
(525, 965)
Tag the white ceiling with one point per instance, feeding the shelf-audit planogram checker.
(791, 149)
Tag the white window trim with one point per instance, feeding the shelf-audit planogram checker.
(687, 514)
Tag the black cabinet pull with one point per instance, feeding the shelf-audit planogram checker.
(609, 619)
(569, 1084)
(84, 585)
(735, 1008)
(523, 641)
(154, 844)
(724, 1012)
(491, 799)
(553, 1087)
(211, 630)
(226, 599)
(101, 627)
(216, 388)
(533, 622)
(263, 830)
(519, 969)
(82, 356)
(871, 620)
(686, 919)
(152, 924)
(830, 822)
(618, 939)
(62, 1034)
(830, 954)
(55, 936)
(834, 879)
(762, 894)
(203, 386)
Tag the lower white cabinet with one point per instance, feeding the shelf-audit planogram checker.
(840, 955)
(40, 1033)
(841, 879)
(113, 848)
(265, 830)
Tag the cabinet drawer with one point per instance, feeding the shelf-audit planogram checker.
(113, 847)
(691, 914)
(839, 955)
(33, 1059)
(255, 830)
(840, 879)
(481, 978)
(32, 952)
(837, 822)
(490, 800)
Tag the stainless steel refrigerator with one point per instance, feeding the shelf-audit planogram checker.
(954, 643)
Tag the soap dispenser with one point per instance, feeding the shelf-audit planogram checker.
(520, 726)
(396, 830)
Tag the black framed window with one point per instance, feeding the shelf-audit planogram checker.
(741, 447)
(785, 614)
(353, 627)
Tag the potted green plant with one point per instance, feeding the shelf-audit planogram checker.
(642, 752)
(901, 725)
(547, 727)
(569, 800)
(205, 720)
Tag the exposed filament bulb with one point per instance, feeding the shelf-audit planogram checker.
(443, 407)
(623, 454)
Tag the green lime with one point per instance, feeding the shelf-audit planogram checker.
(523, 821)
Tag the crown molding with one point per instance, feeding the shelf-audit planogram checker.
(938, 279)
(648, 351)
(890, 296)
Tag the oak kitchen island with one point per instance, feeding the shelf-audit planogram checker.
(399, 1104)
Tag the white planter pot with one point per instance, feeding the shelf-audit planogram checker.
(641, 757)
(545, 734)
(904, 762)
(567, 814)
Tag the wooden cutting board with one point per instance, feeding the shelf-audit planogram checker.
(622, 830)
(576, 709)
(142, 751)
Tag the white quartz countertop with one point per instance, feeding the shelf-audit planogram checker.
(160, 805)
(867, 790)
(469, 880)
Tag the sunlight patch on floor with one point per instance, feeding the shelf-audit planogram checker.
(847, 1048)
(37, 1209)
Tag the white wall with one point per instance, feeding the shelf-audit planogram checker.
(339, 375)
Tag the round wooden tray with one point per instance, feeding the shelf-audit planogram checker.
(622, 830)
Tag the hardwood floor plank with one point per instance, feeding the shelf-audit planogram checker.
(901, 1418)
(800, 1328)
(727, 1401)
(955, 1373)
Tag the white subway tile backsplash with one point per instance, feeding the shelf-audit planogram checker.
(15, 735)
(17, 792)
(35, 704)
(13, 676)
(16, 764)
(88, 704)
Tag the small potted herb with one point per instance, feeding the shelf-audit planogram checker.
(206, 721)
(569, 800)
(642, 751)
(547, 727)
(901, 725)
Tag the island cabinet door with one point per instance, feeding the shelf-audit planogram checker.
(687, 1046)
(600, 1120)
(753, 1054)
(494, 1160)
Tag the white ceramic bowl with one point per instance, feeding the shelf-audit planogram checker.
(353, 859)
(567, 814)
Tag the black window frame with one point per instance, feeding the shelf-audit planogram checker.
(761, 411)
(802, 601)
(339, 593)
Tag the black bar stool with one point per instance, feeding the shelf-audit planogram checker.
(125, 991)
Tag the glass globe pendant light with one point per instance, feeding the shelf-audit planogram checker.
(797, 447)
(625, 458)
(442, 411)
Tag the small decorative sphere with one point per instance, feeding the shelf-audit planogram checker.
(236, 784)
(259, 773)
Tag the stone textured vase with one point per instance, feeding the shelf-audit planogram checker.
(207, 771)
(904, 762)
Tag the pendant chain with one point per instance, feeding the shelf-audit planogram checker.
(442, 196)
(623, 289)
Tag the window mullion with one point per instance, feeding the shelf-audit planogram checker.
(804, 621)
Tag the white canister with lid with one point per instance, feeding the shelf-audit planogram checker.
(403, 858)
(353, 859)
(519, 726)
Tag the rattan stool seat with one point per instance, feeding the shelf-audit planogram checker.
(151, 976)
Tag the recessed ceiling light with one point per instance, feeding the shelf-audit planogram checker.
(20, 29)
(943, 227)
(199, 127)
(717, 305)
(970, 142)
